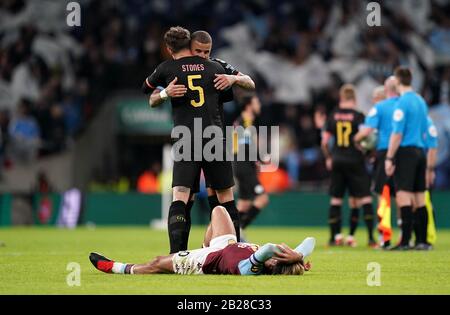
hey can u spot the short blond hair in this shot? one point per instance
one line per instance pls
(348, 92)
(295, 269)
(379, 93)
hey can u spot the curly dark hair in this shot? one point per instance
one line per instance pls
(177, 38)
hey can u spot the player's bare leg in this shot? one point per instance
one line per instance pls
(161, 264)
(221, 224)
(208, 235)
(181, 194)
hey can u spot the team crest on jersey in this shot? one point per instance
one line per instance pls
(255, 269)
(398, 115)
(433, 131)
(253, 247)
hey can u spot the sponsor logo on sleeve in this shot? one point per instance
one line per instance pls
(373, 112)
(433, 131)
(398, 115)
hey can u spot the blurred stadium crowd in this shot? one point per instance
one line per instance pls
(53, 78)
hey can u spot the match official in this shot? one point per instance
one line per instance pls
(405, 159)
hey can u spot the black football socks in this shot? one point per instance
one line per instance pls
(354, 218)
(334, 221)
(407, 222)
(369, 220)
(177, 226)
(421, 225)
(213, 202)
(248, 216)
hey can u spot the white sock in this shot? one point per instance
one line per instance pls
(118, 268)
(306, 248)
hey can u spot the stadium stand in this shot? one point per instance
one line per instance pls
(298, 52)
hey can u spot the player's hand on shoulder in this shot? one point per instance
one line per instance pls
(175, 90)
(224, 81)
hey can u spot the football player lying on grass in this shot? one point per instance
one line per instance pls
(221, 254)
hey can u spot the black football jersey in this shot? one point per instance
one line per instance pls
(227, 95)
(344, 124)
(229, 69)
(202, 98)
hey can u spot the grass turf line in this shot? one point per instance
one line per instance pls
(34, 261)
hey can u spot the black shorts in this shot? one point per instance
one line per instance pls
(352, 175)
(218, 174)
(410, 169)
(247, 179)
(380, 177)
(196, 188)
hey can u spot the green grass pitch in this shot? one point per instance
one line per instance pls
(34, 261)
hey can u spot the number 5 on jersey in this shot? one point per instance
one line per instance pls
(199, 89)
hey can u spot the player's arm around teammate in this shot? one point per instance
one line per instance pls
(201, 45)
(173, 90)
(225, 81)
